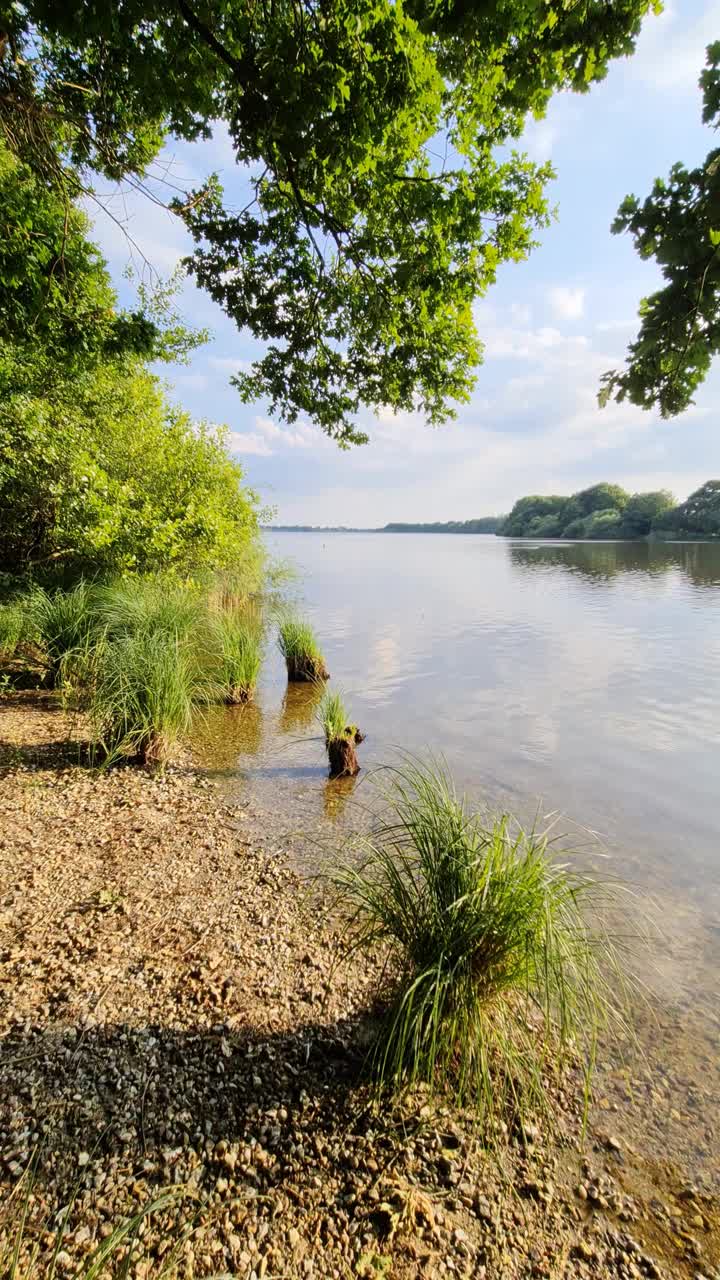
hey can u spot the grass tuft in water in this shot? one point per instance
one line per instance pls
(301, 651)
(240, 648)
(332, 715)
(499, 974)
(341, 737)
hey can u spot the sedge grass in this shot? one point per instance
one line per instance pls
(22, 1258)
(332, 715)
(151, 605)
(62, 622)
(300, 650)
(13, 628)
(147, 687)
(239, 640)
(341, 737)
(499, 974)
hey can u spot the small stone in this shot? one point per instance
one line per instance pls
(83, 1159)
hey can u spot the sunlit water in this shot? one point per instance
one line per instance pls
(579, 679)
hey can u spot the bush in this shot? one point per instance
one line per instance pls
(497, 968)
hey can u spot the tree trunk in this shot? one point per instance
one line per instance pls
(303, 667)
(343, 758)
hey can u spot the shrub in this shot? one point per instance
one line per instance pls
(300, 650)
(497, 968)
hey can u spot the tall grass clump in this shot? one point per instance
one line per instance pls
(152, 605)
(341, 737)
(499, 973)
(300, 650)
(239, 640)
(13, 628)
(61, 622)
(147, 685)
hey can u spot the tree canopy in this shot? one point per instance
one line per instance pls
(602, 511)
(98, 473)
(382, 196)
(679, 226)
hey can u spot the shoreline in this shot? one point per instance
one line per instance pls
(171, 1015)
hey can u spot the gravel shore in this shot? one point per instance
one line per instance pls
(175, 1027)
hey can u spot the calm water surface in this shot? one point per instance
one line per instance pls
(574, 679)
(580, 678)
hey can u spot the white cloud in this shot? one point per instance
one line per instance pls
(249, 442)
(229, 364)
(539, 139)
(670, 53)
(567, 303)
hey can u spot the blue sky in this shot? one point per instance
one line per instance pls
(550, 326)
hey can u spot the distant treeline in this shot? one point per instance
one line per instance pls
(485, 524)
(607, 511)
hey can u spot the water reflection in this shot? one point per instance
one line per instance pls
(299, 706)
(604, 561)
(336, 795)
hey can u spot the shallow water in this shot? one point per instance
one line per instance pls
(581, 680)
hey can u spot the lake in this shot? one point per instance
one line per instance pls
(580, 680)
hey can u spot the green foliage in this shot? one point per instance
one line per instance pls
(604, 524)
(600, 497)
(645, 511)
(483, 524)
(359, 257)
(58, 309)
(601, 511)
(498, 969)
(698, 516)
(545, 527)
(238, 635)
(531, 508)
(679, 226)
(102, 476)
(333, 716)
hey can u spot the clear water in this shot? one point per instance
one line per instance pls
(579, 678)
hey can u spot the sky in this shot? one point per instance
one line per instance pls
(550, 326)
